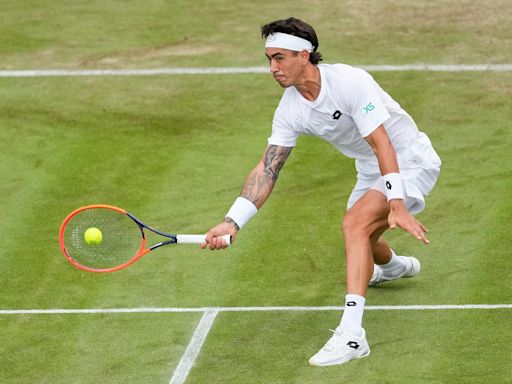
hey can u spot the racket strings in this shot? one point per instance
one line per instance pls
(120, 239)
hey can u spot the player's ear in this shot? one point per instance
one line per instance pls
(304, 57)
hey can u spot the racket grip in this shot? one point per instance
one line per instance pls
(198, 239)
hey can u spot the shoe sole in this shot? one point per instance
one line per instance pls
(339, 362)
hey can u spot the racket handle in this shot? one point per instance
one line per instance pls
(198, 239)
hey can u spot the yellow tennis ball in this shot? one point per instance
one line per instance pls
(93, 236)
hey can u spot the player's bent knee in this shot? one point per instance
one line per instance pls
(354, 224)
(357, 224)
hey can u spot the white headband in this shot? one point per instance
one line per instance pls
(286, 41)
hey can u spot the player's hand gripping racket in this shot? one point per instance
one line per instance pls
(104, 238)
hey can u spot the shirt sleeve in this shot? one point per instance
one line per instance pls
(365, 103)
(283, 133)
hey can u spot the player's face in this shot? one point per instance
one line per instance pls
(285, 66)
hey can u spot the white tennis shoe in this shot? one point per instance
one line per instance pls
(341, 348)
(411, 268)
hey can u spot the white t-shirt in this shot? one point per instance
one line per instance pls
(350, 106)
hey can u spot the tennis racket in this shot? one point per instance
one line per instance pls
(104, 238)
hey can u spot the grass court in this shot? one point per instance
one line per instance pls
(175, 149)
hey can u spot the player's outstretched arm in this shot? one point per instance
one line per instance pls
(388, 163)
(256, 190)
(261, 180)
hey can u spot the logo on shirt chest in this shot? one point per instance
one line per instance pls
(336, 115)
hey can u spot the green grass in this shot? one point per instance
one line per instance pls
(175, 150)
(93, 348)
(155, 33)
(443, 350)
(66, 142)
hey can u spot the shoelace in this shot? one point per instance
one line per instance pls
(333, 341)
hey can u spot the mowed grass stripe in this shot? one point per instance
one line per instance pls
(155, 34)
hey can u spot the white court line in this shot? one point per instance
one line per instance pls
(194, 347)
(248, 309)
(235, 70)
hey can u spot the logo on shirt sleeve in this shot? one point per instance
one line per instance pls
(368, 108)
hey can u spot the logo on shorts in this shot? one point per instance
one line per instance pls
(336, 115)
(368, 108)
(388, 185)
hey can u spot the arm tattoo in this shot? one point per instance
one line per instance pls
(274, 161)
(260, 182)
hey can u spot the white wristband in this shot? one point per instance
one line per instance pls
(393, 184)
(241, 211)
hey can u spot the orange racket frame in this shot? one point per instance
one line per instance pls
(143, 250)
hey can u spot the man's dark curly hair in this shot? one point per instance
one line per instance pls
(296, 27)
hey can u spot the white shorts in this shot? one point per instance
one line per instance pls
(417, 183)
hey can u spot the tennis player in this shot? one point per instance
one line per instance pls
(395, 162)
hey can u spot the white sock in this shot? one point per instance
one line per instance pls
(352, 319)
(394, 266)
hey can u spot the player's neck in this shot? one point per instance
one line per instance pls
(310, 84)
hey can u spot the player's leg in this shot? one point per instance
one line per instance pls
(366, 217)
(381, 250)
